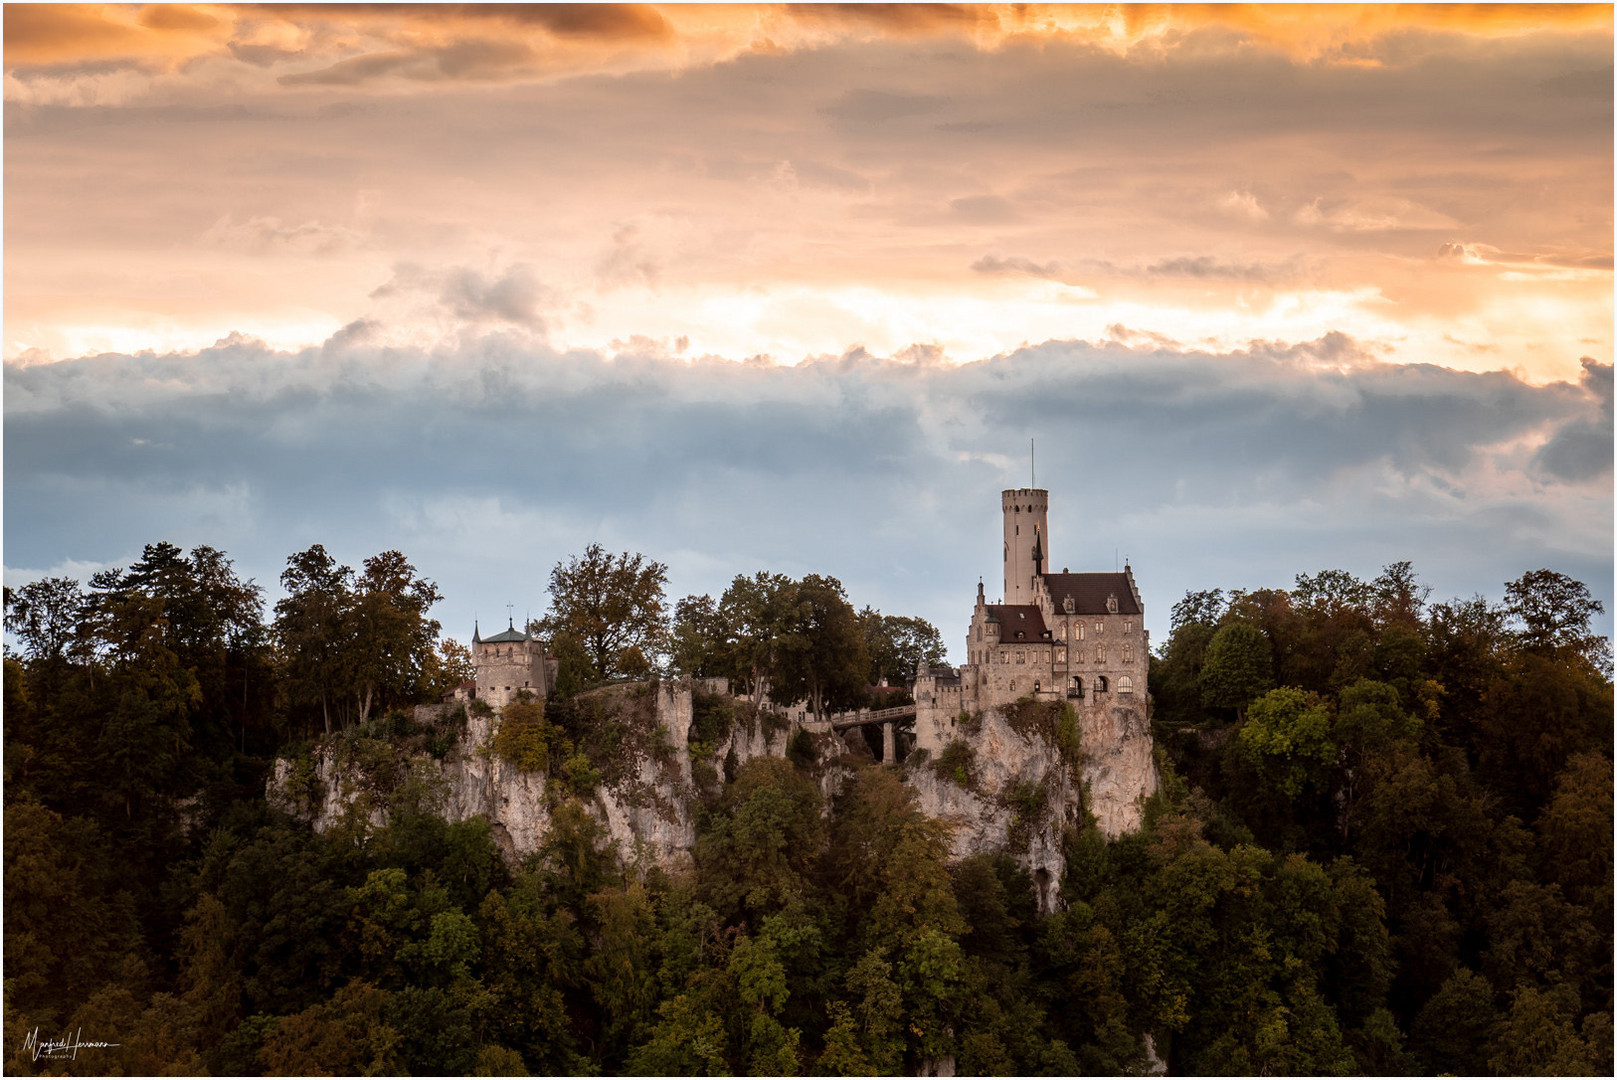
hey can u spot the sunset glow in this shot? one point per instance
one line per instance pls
(290, 189)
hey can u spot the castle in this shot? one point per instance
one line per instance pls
(1079, 638)
(509, 662)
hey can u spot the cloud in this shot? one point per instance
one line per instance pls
(1182, 267)
(882, 106)
(1582, 449)
(1277, 458)
(269, 234)
(995, 266)
(1243, 204)
(512, 296)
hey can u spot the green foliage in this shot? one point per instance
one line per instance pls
(612, 606)
(955, 763)
(897, 645)
(803, 750)
(1287, 739)
(524, 738)
(819, 652)
(1237, 668)
(1403, 864)
(712, 717)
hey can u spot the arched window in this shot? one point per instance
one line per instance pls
(1035, 686)
(1125, 685)
(1100, 684)
(1077, 685)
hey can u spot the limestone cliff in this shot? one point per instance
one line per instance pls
(646, 807)
(1013, 778)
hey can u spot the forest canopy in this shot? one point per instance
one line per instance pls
(1382, 844)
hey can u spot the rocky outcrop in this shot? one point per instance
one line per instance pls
(1120, 769)
(647, 813)
(1012, 785)
(1019, 795)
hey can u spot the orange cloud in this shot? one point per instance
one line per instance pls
(39, 34)
(543, 40)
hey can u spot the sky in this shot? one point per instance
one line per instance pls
(1274, 289)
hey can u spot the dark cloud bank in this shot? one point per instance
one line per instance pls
(489, 462)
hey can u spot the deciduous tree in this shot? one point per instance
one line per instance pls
(612, 604)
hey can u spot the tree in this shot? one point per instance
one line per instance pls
(1574, 832)
(1288, 738)
(1237, 669)
(897, 644)
(1331, 592)
(1198, 607)
(1399, 598)
(612, 604)
(312, 625)
(753, 612)
(698, 643)
(822, 655)
(1553, 613)
(392, 638)
(45, 615)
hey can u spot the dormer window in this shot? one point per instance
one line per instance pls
(1067, 605)
(1111, 604)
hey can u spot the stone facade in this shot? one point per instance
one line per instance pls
(1078, 638)
(510, 662)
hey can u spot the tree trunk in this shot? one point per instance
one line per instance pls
(325, 709)
(365, 705)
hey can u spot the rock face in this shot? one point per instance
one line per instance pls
(648, 813)
(1008, 787)
(1120, 770)
(1019, 797)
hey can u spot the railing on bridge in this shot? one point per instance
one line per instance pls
(843, 721)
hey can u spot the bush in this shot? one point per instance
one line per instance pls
(523, 737)
(711, 718)
(955, 763)
(803, 751)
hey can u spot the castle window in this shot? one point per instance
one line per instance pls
(1021, 657)
(1035, 686)
(1061, 656)
(1100, 655)
(1128, 627)
(1100, 684)
(1100, 627)
(1012, 686)
(1002, 655)
(1080, 628)
(1125, 685)
(1128, 654)
(1061, 633)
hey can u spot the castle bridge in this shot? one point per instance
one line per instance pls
(844, 721)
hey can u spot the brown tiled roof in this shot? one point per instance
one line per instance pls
(1018, 622)
(1089, 592)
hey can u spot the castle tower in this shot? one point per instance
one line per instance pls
(1027, 540)
(510, 662)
